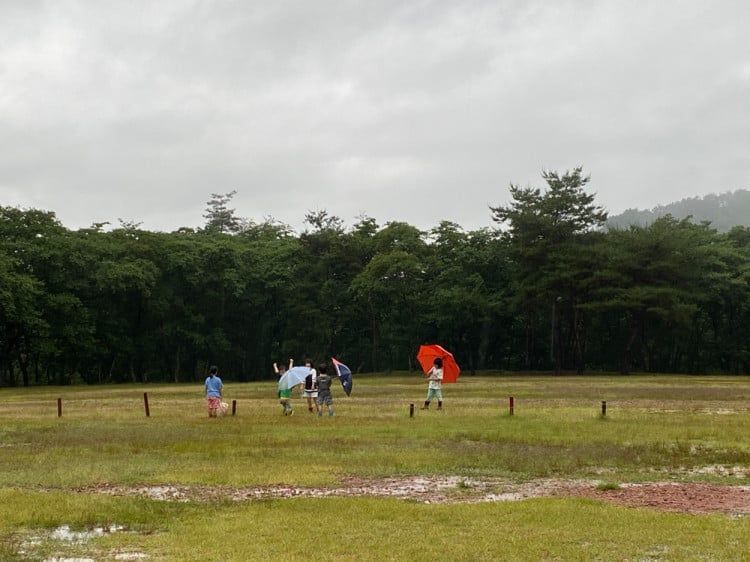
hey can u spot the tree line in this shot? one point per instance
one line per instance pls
(545, 286)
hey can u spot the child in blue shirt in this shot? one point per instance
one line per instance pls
(213, 387)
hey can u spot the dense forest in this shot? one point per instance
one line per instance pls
(545, 286)
(723, 210)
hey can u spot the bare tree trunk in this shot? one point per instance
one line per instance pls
(374, 350)
(23, 363)
(176, 370)
(578, 340)
(625, 359)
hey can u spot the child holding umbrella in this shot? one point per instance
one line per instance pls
(434, 387)
(284, 394)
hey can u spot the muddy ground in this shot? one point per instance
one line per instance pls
(697, 498)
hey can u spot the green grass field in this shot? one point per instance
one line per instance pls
(657, 428)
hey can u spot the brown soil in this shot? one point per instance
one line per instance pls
(679, 497)
(698, 498)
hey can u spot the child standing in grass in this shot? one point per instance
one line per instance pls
(311, 387)
(434, 388)
(324, 390)
(284, 394)
(213, 387)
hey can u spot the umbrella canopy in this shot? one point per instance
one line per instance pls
(293, 377)
(345, 375)
(427, 355)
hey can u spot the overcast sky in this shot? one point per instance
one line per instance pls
(416, 111)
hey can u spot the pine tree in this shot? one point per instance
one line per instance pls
(219, 217)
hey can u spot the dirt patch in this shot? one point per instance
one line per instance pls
(718, 470)
(679, 497)
(425, 489)
(668, 496)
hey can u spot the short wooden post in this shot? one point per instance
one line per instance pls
(511, 404)
(59, 407)
(604, 408)
(145, 404)
(234, 407)
(411, 410)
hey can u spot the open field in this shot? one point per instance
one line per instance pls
(95, 465)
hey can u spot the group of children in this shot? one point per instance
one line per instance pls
(316, 389)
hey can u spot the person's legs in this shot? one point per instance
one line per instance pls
(430, 395)
(439, 396)
(286, 406)
(213, 405)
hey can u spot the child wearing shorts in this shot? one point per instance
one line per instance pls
(311, 388)
(434, 388)
(284, 394)
(213, 387)
(324, 390)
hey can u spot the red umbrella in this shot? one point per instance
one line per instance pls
(427, 355)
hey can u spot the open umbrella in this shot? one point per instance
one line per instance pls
(345, 375)
(427, 355)
(293, 377)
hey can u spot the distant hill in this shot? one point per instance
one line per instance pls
(722, 210)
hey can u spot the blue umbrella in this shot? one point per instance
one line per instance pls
(293, 377)
(345, 375)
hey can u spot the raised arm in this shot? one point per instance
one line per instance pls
(275, 368)
(291, 362)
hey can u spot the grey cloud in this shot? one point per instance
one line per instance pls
(413, 111)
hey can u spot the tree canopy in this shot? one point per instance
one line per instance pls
(545, 286)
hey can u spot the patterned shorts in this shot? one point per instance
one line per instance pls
(433, 393)
(325, 399)
(214, 402)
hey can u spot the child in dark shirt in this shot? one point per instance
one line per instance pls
(324, 390)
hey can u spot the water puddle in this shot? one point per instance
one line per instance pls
(66, 544)
(64, 533)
